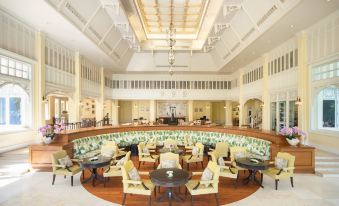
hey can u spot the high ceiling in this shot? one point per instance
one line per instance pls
(130, 35)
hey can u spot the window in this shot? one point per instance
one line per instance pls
(15, 68)
(13, 106)
(328, 105)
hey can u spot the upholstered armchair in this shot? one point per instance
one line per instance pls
(195, 158)
(169, 156)
(152, 144)
(226, 168)
(146, 157)
(117, 152)
(188, 144)
(203, 187)
(137, 187)
(63, 170)
(237, 152)
(221, 149)
(285, 172)
(170, 143)
(115, 170)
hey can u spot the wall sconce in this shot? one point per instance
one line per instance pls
(298, 101)
(44, 99)
(225, 107)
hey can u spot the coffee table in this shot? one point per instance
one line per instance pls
(160, 178)
(93, 164)
(253, 165)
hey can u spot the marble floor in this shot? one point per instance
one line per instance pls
(34, 188)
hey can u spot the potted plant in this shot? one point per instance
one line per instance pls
(48, 132)
(291, 134)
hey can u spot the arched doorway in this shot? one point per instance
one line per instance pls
(253, 113)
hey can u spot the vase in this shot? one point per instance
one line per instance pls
(293, 142)
(48, 139)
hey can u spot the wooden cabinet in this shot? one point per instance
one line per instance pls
(304, 158)
(40, 154)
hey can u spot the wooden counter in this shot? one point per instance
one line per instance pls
(40, 154)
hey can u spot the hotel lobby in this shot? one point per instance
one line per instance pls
(169, 102)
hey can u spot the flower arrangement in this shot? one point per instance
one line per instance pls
(50, 130)
(291, 132)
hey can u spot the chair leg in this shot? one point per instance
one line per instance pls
(53, 179)
(262, 178)
(83, 174)
(291, 178)
(276, 184)
(191, 200)
(72, 181)
(202, 164)
(64, 176)
(154, 165)
(149, 200)
(216, 198)
(155, 191)
(188, 166)
(123, 199)
(139, 164)
(105, 181)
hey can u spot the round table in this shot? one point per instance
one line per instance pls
(253, 165)
(93, 164)
(160, 178)
(175, 151)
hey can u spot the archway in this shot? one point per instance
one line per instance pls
(252, 113)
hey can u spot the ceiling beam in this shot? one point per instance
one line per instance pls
(91, 18)
(251, 19)
(106, 34)
(61, 5)
(115, 46)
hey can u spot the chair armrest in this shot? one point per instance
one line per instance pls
(196, 173)
(76, 160)
(62, 166)
(288, 168)
(190, 157)
(135, 182)
(143, 173)
(211, 150)
(207, 181)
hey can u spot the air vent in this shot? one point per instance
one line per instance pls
(267, 15)
(248, 34)
(75, 13)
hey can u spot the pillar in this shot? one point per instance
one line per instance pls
(99, 113)
(115, 112)
(265, 95)
(39, 74)
(228, 113)
(303, 79)
(190, 110)
(241, 99)
(74, 104)
(152, 110)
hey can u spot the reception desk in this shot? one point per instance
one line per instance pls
(40, 154)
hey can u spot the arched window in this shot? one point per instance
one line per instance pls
(13, 107)
(328, 105)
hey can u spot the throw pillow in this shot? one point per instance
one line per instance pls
(134, 175)
(65, 162)
(221, 161)
(107, 151)
(168, 164)
(238, 155)
(145, 150)
(280, 163)
(195, 151)
(207, 175)
(121, 161)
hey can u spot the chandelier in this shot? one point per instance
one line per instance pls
(171, 42)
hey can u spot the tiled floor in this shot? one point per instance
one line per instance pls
(34, 188)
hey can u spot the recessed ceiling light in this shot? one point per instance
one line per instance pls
(328, 0)
(292, 26)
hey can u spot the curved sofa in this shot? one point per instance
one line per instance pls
(89, 146)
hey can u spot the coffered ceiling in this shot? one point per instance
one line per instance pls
(130, 35)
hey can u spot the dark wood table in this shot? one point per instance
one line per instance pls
(175, 151)
(93, 165)
(160, 178)
(253, 165)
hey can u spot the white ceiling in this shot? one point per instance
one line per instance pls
(110, 33)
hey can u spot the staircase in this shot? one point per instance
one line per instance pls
(326, 164)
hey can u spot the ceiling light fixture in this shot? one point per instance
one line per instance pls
(171, 32)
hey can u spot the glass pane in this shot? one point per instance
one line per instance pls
(4, 70)
(273, 116)
(329, 113)
(293, 114)
(4, 61)
(2, 111)
(15, 110)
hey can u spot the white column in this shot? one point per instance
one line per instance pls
(241, 101)
(99, 107)
(228, 113)
(38, 80)
(115, 112)
(190, 110)
(303, 82)
(265, 95)
(74, 112)
(152, 110)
